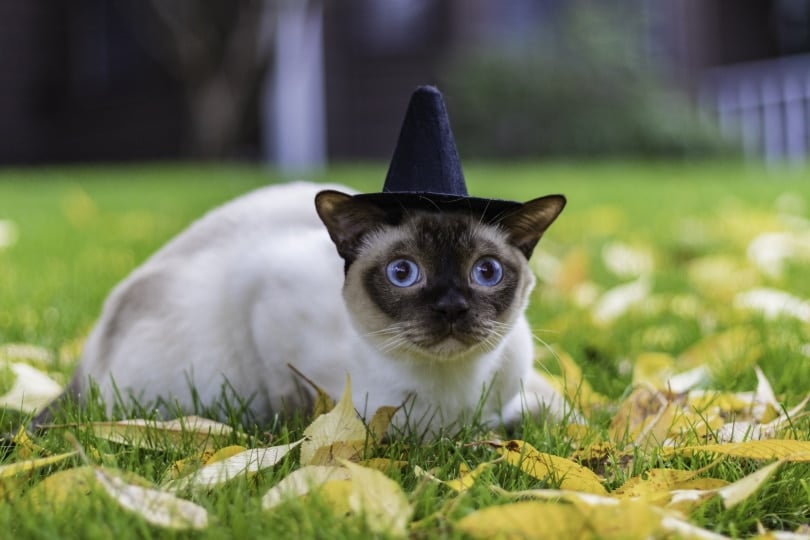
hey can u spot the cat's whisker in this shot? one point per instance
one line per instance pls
(548, 347)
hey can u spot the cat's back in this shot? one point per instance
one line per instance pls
(275, 209)
(196, 298)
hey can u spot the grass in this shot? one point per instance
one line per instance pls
(81, 230)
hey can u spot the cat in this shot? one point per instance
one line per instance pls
(422, 308)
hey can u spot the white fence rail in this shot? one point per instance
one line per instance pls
(765, 105)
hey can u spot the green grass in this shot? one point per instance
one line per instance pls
(81, 230)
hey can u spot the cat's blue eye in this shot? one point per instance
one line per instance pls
(402, 272)
(487, 272)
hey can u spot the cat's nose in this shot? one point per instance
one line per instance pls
(452, 305)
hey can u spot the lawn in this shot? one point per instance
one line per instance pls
(655, 273)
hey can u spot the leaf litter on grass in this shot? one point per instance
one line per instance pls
(620, 480)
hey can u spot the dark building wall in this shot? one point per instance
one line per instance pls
(76, 85)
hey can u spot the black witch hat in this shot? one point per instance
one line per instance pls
(425, 171)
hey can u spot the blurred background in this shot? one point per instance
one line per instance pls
(302, 83)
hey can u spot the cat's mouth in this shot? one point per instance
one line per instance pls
(452, 341)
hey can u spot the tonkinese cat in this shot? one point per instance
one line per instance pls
(418, 295)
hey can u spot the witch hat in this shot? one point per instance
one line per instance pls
(425, 171)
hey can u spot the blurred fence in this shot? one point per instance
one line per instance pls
(765, 105)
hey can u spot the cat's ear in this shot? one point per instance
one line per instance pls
(527, 224)
(348, 220)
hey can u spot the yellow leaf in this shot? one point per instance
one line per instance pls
(662, 372)
(302, 481)
(547, 520)
(64, 489)
(223, 454)
(732, 494)
(383, 464)
(13, 469)
(332, 454)
(566, 473)
(323, 401)
(655, 484)
(340, 425)
(380, 422)
(182, 467)
(159, 508)
(575, 387)
(240, 464)
(465, 480)
(25, 446)
(31, 390)
(152, 434)
(380, 501)
(784, 449)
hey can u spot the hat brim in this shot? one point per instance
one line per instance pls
(399, 203)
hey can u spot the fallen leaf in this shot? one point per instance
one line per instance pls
(658, 370)
(656, 484)
(77, 486)
(773, 303)
(687, 499)
(16, 352)
(379, 500)
(568, 474)
(223, 470)
(13, 469)
(466, 478)
(323, 401)
(573, 385)
(340, 425)
(548, 520)
(380, 422)
(159, 508)
(32, 389)
(302, 481)
(333, 453)
(25, 447)
(153, 434)
(617, 301)
(783, 449)
(383, 464)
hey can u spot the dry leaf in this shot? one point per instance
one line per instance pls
(548, 520)
(323, 401)
(731, 494)
(784, 449)
(380, 422)
(340, 425)
(25, 446)
(383, 464)
(158, 508)
(658, 370)
(573, 385)
(379, 500)
(568, 474)
(32, 389)
(240, 464)
(13, 469)
(302, 481)
(152, 434)
(466, 478)
(333, 453)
